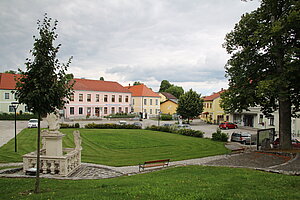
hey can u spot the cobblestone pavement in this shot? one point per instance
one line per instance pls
(271, 162)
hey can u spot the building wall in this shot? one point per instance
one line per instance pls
(6, 102)
(162, 97)
(94, 108)
(149, 108)
(168, 107)
(215, 112)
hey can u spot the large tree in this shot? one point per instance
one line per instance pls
(44, 86)
(177, 91)
(190, 105)
(264, 66)
(164, 85)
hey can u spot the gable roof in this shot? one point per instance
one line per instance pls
(213, 96)
(7, 81)
(168, 95)
(141, 91)
(170, 100)
(97, 85)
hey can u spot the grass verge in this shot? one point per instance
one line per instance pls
(192, 182)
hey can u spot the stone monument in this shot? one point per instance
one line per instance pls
(54, 158)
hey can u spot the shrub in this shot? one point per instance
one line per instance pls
(186, 132)
(69, 125)
(166, 117)
(219, 136)
(111, 126)
(120, 115)
(11, 116)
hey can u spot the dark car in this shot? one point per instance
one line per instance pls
(227, 125)
(295, 143)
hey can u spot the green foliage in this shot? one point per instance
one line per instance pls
(187, 182)
(177, 91)
(219, 136)
(44, 86)
(166, 117)
(10, 72)
(11, 116)
(264, 65)
(190, 105)
(164, 85)
(76, 125)
(120, 147)
(101, 78)
(171, 129)
(120, 115)
(137, 83)
(111, 126)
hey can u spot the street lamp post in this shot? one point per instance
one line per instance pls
(15, 105)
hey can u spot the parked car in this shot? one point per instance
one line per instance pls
(137, 124)
(227, 125)
(244, 138)
(33, 123)
(168, 125)
(183, 126)
(122, 122)
(295, 143)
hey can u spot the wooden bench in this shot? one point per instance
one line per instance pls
(154, 163)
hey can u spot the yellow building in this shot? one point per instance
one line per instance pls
(212, 112)
(169, 107)
(144, 101)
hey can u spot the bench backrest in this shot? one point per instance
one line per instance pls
(157, 161)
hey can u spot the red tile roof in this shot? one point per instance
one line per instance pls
(142, 91)
(213, 96)
(97, 85)
(7, 81)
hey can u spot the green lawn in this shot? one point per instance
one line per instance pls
(192, 182)
(121, 147)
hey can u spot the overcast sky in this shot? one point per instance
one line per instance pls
(129, 40)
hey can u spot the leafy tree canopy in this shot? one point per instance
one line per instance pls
(164, 85)
(10, 72)
(44, 86)
(101, 78)
(177, 91)
(137, 83)
(190, 105)
(264, 65)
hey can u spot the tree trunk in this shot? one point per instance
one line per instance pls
(37, 179)
(285, 124)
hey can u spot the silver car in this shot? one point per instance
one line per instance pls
(244, 138)
(33, 123)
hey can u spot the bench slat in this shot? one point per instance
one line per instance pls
(154, 163)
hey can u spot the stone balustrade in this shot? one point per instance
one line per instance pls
(60, 165)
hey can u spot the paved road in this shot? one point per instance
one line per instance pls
(7, 129)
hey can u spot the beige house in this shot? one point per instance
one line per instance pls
(144, 101)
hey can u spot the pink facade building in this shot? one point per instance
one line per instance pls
(95, 99)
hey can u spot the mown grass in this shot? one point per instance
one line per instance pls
(192, 182)
(120, 147)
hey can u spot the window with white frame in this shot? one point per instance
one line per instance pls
(6, 95)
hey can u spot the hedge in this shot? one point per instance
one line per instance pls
(166, 117)
(186, 132)
(11, 116)
(76, 125)
(111, 126)
(120, 115)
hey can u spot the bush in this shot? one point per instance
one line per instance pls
(186, 132)
(111, 126)
(219, 136)
(62, 126)
(120, 115)
(11, 116)
(166, 117)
